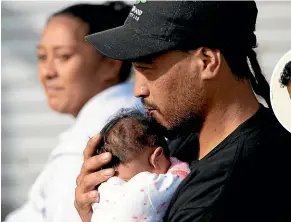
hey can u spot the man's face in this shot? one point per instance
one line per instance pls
(171, 89)
(289, 89)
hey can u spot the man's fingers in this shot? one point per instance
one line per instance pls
(84, 201)
(91, 180)
(95, 163)
(91, 146)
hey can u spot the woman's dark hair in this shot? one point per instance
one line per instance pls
(99, 18)
(128, 133)
(285, 78)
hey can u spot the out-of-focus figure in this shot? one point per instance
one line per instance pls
(78, 81)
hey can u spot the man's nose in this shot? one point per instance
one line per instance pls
(140, 86)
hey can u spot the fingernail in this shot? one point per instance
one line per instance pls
(108, 172)
(93, 194)
(105, 156)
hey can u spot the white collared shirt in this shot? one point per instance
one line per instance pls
(51, 198)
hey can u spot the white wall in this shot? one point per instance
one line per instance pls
(29, 128)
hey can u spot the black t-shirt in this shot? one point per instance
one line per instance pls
(247, 177)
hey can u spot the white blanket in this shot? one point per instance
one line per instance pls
(144, 198)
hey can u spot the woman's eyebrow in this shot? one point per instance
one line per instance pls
(56, 47)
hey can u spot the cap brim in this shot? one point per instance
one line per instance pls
(123, 43)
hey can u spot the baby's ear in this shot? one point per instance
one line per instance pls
(155, 157)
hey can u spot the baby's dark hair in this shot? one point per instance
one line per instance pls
(285, 78)
(128, 133)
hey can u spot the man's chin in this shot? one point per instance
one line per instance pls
(175, 129)
(183, 129)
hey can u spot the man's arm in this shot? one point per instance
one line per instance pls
(89, 177)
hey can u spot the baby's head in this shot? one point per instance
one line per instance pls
(137, 144)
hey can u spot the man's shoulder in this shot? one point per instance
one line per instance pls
(265, 134)
(248, 165)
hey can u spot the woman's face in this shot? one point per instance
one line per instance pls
(68, 67)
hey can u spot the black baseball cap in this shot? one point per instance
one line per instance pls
(154, 27)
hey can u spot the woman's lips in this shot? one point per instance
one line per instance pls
(53, 89)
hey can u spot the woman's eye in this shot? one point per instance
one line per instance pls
(64, 58)
(41, 57)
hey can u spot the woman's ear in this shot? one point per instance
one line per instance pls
(155, 157)
(108, 71)
(113, 69)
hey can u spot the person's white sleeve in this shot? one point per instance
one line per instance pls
(26, 213)
(34, 208)
(60, 201)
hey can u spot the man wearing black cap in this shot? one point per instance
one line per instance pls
(196, 72)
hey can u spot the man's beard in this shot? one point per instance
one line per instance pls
(182, 123)
(184, 126)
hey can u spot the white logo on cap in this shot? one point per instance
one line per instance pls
(135, 13)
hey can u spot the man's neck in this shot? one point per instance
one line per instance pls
(225, 117)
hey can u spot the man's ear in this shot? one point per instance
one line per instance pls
(210, 60)
(155, 157)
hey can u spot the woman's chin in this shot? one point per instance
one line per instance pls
(56, 106)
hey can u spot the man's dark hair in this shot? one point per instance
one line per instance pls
(244, 64)
(285, 78)
(128, 133)
(238, 50)
(99, 18)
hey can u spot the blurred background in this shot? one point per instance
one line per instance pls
(30, 129)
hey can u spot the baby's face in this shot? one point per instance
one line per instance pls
(151, 160)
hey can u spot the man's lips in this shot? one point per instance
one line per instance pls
(149, 109)
(150, 112)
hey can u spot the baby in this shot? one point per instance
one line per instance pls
(146, 177)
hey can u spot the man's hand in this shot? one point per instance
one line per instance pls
(89, 177)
